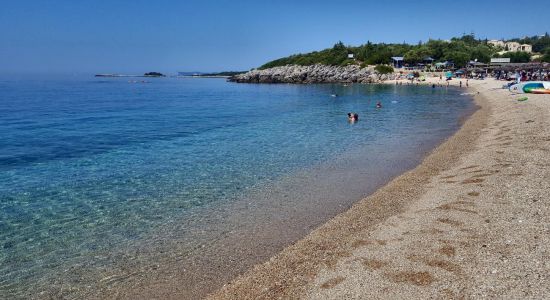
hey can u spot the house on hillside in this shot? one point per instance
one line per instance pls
(526, 48)
(497, 43)
(511, 46)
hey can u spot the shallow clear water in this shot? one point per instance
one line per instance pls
(92, 169)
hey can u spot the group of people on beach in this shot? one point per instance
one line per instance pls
(522, 75)
(409, 82)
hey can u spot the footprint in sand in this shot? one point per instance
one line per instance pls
(448, 250)
(453, 206)
(473, 180)
(417, 278)
(450, 222)
(360, 243)
(436, 263)
(374, 264)
(332, 282)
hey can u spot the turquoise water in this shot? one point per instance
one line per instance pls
(92, 169)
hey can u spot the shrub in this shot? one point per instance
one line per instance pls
(383, 69)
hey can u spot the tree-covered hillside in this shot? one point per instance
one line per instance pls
(458, 50)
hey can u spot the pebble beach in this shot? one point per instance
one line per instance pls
(471, 221)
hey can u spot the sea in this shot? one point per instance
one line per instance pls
(117, 187)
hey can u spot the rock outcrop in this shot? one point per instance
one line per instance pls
(310, 74)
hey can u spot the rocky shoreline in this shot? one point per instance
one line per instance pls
(311, 74)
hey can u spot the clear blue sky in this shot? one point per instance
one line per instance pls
(137, 36)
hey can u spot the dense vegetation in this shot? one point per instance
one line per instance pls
(383, 69)
(458, 50)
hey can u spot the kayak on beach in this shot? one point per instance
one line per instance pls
(532, 87)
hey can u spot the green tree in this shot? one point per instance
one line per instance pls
(383, 69)
(437, 48)
(482, 53)
(459, 58)
(546, 56)
(518, 57)
(541, 44)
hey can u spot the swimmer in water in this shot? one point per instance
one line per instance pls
(378, 104)
(353, 117)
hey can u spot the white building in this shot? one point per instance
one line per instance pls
(497, 43)
(511, 46)
(526, 48)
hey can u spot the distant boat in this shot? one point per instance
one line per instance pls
(531, 87)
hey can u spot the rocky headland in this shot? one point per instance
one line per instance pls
(311, 74)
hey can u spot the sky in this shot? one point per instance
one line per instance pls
(133, 37)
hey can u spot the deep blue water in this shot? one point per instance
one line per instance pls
(90, 164)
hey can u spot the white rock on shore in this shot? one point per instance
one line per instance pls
(310, 74)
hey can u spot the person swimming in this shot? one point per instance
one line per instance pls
(378, 104)
(353, 117)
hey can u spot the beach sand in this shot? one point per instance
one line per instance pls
(472, 221)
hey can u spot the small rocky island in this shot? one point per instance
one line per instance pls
(311, 74)
(154, 74)
(148, 74)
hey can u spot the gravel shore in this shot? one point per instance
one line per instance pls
(472, 221)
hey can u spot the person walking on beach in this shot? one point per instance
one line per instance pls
(460, 83)
(467, 83)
